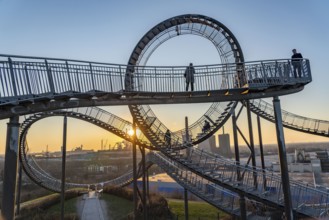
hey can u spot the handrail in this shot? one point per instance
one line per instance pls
(261, 184)
(291, 120)
(6, 56)
(58, 77)
(223, 172)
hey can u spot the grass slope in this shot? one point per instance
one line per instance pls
(196, 209)
(117, 208)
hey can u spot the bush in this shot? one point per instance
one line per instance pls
(120, 192)
(157, 208)
(42, 215)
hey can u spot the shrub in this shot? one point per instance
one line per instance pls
(157, 208)
(120, 192)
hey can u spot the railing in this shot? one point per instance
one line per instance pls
(24, 77)
(95, 114)
(292, 120)
(264, 184)
(214, 194)
(46, 180)
(261, 185)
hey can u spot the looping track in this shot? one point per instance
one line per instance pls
(30, 85)
(209, 176)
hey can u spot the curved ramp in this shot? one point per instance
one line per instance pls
(223, 173)
(229, 51)
(259, 185)
(95, 116)
(216, 195)
(291, 120)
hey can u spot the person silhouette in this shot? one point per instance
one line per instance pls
(206, 126)
(296, 61)
(189, 76)
(167, 138)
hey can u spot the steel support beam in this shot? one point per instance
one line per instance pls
(187, 155)
(144, 197)
(63, 168)
(242, 200)
(18, 198)
(186, 203)
(283, 159)
(135, 196)
(187, 137)
(252, 146)
(10, 169)
(261, 150)
(147, 185)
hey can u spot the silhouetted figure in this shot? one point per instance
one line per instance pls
(296, 61)
(206, 126)
(167, 138)
(189, 76)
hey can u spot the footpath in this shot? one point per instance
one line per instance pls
(92, 208)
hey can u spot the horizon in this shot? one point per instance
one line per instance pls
(288, 145)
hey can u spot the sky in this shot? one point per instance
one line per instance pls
(107, 31)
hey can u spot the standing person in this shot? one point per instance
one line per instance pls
(189, 76)
(167, 138)
(296, 61)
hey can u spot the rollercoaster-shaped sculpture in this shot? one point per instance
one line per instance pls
(210, 177)
(31, 85)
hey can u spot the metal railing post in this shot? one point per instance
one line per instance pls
(68, 75)
(28, 80)
(12, 76)
(50, 78)
(92, 77)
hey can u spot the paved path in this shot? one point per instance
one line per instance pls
(92, 208)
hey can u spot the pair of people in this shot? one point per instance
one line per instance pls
(296, 59)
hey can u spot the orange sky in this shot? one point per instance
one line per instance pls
(50, 131)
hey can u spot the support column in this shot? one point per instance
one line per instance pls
(242, 200)
(18, 198)
(252, 146)
(187, 137)
(185, 204)
(144, 184)
(187, 155)
(147, 185)
(283, 159)
(135, 171)
(10, 169)
(63, 168)
(261, 150)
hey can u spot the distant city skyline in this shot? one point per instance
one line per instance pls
(107, 32)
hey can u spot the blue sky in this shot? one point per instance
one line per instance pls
(108, 31)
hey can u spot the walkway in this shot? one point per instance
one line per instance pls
(33, 84)
(92, 208)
